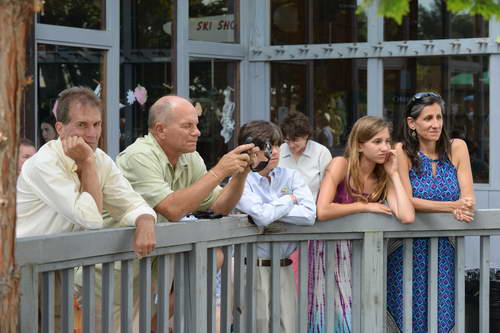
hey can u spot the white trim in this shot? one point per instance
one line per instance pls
(215, 50)
(60, 35)
(112, 79)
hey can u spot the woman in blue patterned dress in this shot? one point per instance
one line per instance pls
(436, 171)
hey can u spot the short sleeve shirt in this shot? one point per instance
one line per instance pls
(151, 174)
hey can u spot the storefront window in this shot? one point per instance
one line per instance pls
(213, 90)
(86, 14)
(213, 21)
(316, 22)
(430, 19)
(288, 89)
(146, 64)
(61, 67)
(463, 81)
(331, 104)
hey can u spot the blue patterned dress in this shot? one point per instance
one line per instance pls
(440, 187)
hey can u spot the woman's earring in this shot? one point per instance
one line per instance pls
(413, 133)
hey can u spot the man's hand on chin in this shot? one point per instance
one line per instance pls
(144, 237)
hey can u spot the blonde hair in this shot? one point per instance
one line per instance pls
(363, 130)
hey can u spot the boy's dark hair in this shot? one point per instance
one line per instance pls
(296, 125)
(26, 142)
(260, 131)
(70, 96)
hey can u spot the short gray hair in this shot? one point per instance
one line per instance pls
(159, 112)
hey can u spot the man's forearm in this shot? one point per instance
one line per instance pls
(90, 182)
(230, 195)
(176, 205)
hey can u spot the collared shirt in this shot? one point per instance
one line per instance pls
(267, 202)
(311, 164)
(151, 174)
(50, 200)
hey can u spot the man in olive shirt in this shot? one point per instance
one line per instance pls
(171, 176)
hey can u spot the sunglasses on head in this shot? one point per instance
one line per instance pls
(418, 96)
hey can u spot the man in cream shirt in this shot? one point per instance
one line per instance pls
(68, 183)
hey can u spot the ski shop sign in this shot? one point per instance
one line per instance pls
(218, 28)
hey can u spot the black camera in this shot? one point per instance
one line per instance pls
(265, 147)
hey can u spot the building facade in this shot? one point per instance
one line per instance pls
(240, 60)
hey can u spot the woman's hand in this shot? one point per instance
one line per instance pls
(377, 207)
(391, 163)
(465, 210)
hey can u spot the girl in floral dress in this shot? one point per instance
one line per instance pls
(360, 181)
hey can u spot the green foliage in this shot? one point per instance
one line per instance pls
(485, 8)
(394, 9)
(397, 9)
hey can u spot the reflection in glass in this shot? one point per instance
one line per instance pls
(316, 21)
(429, 19)
(288, 89)
(463, 81)
(332, 104)
(212, 88)
(213, 21)
(61, 67)
(86, 14)
(145, 62)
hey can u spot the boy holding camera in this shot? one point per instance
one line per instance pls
(272, 194)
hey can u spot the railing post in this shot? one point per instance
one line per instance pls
(198, 287)
(28, 321)
(180, 294)
(226, 301)
(250, 303)
(484, 285)
(372, 286)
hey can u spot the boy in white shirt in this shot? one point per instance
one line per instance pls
(274, 194)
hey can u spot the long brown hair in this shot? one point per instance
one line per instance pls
(363, 130)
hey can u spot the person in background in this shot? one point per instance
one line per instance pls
(436, 174)
(48, 130)
(26, 150)
(301, 153)
(360, 181)
(274, 194)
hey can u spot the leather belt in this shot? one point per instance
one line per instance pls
(267, 262)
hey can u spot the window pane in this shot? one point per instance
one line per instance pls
(429, 19)
(316, 21)
(331, 104)
(145, 62)
(339, 103)
(463, 81)
(213, 21)
(61, 67)
(213, 90)
(288, 89)
(87, 14)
